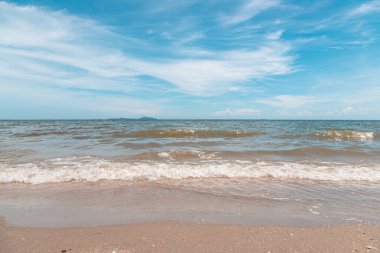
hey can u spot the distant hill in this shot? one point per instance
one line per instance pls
(147, 118)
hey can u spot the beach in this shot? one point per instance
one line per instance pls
(145, 217)
(192, 237)
(189, 186)
(195, 126)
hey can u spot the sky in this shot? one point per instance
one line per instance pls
(190, 59)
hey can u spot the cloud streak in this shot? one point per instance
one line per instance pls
(191, 59)
(70, 51)
(238, 112)
(217, 73)
(289, 101)
(248, 10)
(365, 8)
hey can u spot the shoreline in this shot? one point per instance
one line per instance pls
(266, 202)
(190, 215)
(175, 236)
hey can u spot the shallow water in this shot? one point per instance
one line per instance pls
(192, 200)
(286, 172)
(56, 151)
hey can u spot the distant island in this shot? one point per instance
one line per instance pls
(147, 118)
(142, 118)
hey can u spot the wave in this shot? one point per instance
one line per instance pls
(334, 135)
(37, 134)
(192, 133)
(345, 135)
(92, 169)
(319, 151)
(298, 153)
(175, 155)
(182, 155)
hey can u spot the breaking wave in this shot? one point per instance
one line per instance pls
(232, 155)
(92, 169)
(178, 155)
(345, 135)
(192, 133)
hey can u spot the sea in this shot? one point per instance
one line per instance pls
(276, 171)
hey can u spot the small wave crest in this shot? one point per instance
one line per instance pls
(250, 155)
(192, 133)
(345, 135)
(43, 133)
(92, 169)
(175, 155)
(182, 155)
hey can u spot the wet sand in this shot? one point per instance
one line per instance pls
(191, 237)
(222, 201)
(189, 217)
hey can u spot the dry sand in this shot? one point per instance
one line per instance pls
(191, 237)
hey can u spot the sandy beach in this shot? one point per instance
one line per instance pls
(191, 237)
(189, 126)
(172, 186)
(146, 217)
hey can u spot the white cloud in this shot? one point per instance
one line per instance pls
(317, 112)
(55, 47)
(215, 74)
(365, 8)
(248, 10)
(238, 112)
(339, 112)
(295, 114)
(348, 110)
(289, 101)
(247, 111)
(190, 38)
(275, 35)
(68, 51)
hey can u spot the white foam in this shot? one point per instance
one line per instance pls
(91, 169)
(313, 211)
(175, 154)
(164, 154)
(346, 135)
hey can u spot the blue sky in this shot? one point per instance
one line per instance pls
(190, 59)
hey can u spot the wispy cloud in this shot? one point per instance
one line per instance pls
(159, 58)
(69, 51)
(248, 10)
(215, 74)
(365, 8)
(346, 112)
(289, 101)
(343, 26)
(190, 38)
(343, 111)
(238, 112)
(275, 35)
(59, 48)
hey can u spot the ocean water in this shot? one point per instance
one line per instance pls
(269, 171)
(57, 151)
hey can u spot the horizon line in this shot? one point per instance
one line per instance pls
(162, 119)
